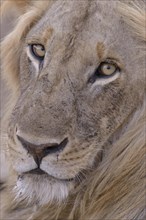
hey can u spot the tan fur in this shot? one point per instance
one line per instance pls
(21, 5)
(115, 190)
(47, 34)
(135, 17)
(100, 50)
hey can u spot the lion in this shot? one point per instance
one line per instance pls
(75, 141)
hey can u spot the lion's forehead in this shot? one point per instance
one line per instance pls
(78, 16)
(85, 24)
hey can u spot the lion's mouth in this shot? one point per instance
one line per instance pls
(39, 171)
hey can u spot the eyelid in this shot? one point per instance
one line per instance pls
(34, 40)
(110, 61)
(115, 61)
(103, 81)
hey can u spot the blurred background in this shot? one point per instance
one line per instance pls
(6, 24)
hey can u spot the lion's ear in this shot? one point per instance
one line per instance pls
(20, 6)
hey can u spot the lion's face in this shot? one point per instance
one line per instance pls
(79, 82)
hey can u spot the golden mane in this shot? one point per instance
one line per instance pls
(135, 16)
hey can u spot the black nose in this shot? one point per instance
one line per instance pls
(40, 151)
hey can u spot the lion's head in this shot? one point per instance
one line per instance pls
(79, 73)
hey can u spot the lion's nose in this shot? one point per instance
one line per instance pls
(40, 151)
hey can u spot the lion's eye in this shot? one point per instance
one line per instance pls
(38, 51)
(107, 69)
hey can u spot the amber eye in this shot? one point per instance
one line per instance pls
(38, 51)
(107, 69)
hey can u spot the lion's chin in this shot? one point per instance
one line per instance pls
(41, 189)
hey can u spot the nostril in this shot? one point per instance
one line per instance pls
(42, 150)
(56, 148)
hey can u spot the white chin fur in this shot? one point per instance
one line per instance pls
(40, 190)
